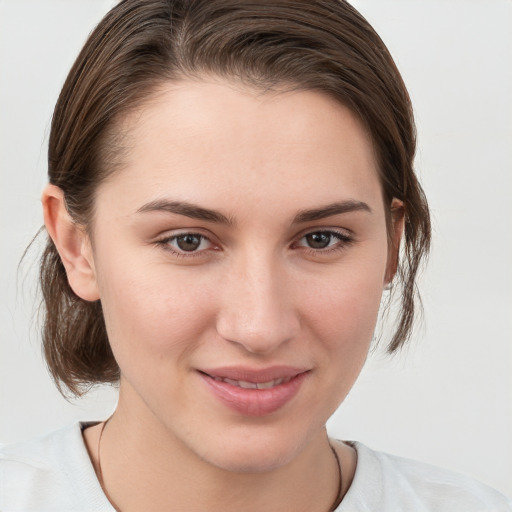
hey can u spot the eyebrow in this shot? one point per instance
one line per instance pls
(330, 210)
(197, 212)
(187, 209)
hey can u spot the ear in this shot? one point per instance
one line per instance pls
(397, 229)
(72, 243)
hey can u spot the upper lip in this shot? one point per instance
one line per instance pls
(256, 375)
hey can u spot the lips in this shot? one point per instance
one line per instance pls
(254, 385)
(254, 392)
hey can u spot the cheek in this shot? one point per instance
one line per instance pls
(152, 314)
(342, 307)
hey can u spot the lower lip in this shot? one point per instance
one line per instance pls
(254, 402)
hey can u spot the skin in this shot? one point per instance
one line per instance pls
(254, 293)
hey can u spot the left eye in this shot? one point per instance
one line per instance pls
(322, 239)
(188, 242)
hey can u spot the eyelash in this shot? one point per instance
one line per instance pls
(165, 244)
(344, 241)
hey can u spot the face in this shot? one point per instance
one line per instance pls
(240, 256)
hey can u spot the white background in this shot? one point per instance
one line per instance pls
(448, 398)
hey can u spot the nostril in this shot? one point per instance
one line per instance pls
(257, 341)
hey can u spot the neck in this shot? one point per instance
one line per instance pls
(145, 467)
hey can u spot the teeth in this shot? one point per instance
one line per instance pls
(269, 384)
(253, 385)
(244, 384)
(241, 383)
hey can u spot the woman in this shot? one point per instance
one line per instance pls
(231, 190)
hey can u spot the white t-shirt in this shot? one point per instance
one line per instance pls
(55, 474)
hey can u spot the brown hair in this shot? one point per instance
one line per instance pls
(323, 45)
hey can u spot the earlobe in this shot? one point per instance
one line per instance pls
(397, 229)
(72, 243)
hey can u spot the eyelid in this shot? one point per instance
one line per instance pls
(342, 232)
(345, 238)
(173, 233)
(165, 239)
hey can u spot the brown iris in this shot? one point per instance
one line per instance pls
(188, 242)
(318, 240)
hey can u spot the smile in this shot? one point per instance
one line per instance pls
(254, 385)
(254, 392)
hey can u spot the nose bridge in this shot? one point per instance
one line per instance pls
(257, 310)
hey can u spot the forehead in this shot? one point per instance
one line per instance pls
(212, 141)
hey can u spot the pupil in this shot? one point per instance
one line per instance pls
(318, 240)
(188, 242)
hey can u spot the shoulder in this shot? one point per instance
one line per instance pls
(52, 472)
(389, 483)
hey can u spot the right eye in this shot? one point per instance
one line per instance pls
(186, 244)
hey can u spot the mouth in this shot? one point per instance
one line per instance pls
(253, 385)
(254, 392)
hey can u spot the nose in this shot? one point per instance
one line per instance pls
(257, 307)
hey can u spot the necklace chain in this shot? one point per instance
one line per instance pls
(100, 474)
(339, 494)
(333, 507)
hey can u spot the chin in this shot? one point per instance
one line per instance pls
(243, 462)
(254, 452)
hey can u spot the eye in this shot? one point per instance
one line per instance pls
(191, 243)
(319, 240)
(324, 240)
